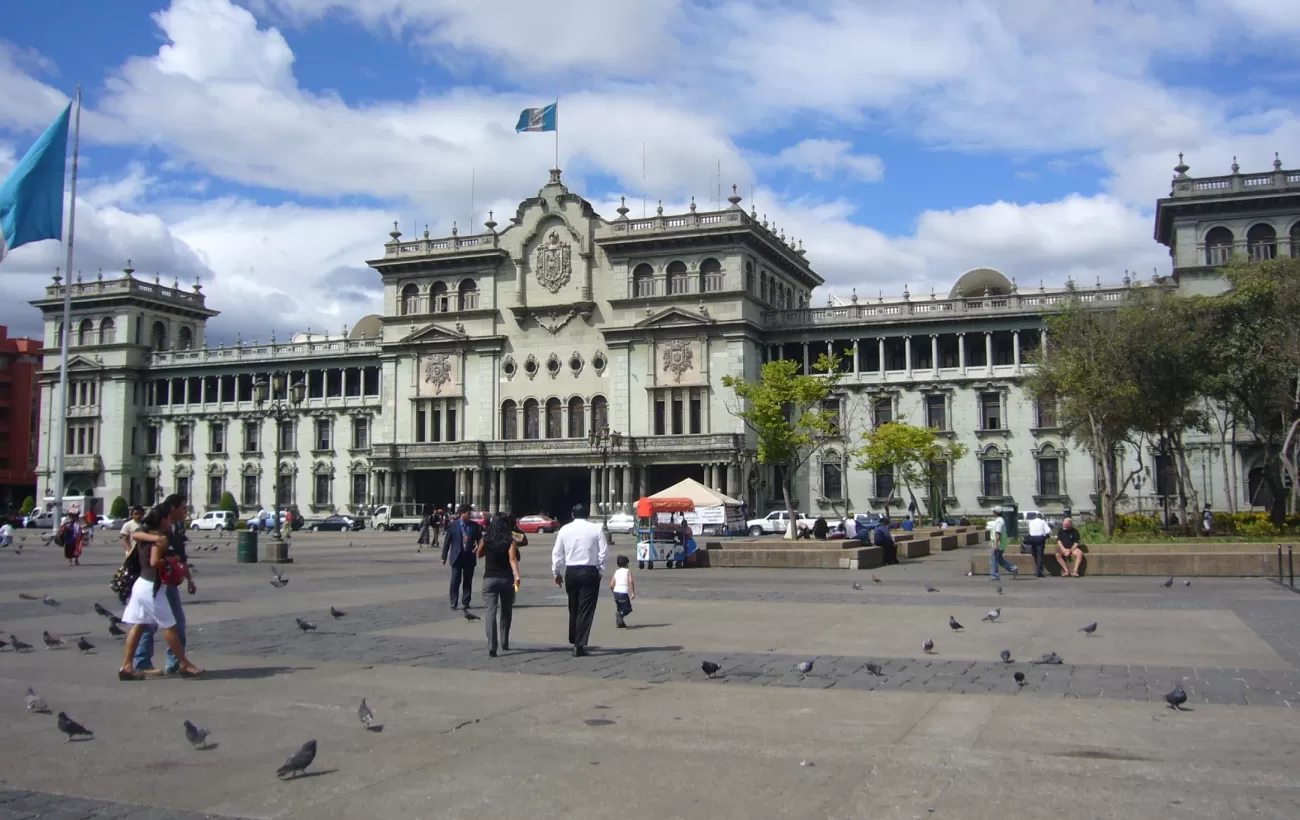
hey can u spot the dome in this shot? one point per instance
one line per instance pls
(974, 282)
(366, 327)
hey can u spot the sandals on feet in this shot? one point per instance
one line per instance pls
(129, 674)
(187, 673)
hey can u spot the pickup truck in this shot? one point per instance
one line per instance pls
(777, 523)
(399, 517)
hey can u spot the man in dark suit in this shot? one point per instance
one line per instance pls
(458, 544)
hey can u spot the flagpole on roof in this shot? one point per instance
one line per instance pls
(557, 133)
(62, 430)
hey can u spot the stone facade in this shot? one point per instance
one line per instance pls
(497, 354)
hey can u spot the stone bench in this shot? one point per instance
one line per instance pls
(795, 558)
(1225, 564)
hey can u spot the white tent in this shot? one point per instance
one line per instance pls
(698, 493)
(714, 512)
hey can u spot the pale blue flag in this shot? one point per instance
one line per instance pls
(31, 198)
(538, 119)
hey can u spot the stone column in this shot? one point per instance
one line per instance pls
(880, 340)
(1042, 343)
(907, 356)
(1015, 340)
(595, 491)
(708, 475)
(961, 353)
(807, 366)
(934, 352)
(988, 350)
(505, 490)
(855, 358)
(477, 500)
(494, 501)
(733, 480)
(628, 489)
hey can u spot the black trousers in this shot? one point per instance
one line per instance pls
(462, 580)
(1036, 545)
(583, 587)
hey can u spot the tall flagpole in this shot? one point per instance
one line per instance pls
(557, 133)
(62, 430)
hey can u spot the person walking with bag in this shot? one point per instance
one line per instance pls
(577, 562)
(176, 557)
(146, 608)
(500, 553)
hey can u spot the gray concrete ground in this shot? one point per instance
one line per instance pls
(636, 730)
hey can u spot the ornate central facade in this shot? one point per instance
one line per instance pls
(498, 353)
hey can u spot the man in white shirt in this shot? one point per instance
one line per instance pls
(850, 528)
(577, 562)
(997, 529)
(1039, 530)
(6, 534)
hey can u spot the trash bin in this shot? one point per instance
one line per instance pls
(1011, 517)
(246, 547)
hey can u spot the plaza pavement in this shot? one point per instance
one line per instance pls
(636, 730)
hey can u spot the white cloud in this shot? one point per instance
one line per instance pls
(827, 159)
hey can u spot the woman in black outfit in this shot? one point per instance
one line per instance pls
(500, 553)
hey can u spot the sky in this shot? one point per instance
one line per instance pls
(265, 147)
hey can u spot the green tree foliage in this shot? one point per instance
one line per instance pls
(784, 410)
(918, 456)
(119, 508)
(29, 504)
(228, 503)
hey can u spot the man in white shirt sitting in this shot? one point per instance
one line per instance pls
(577, 562)
(1039, 530)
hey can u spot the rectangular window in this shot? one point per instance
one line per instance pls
(250, 491)
(151, 440)
(315, 384)
(939, 479)
(360, 489)
(252, 437)
(990, 411)
(659, 415)
(322, 494)
(419, 426)
(288, 437)
(696, 413)
(370, 381)
(451, 424)
(217, 437)
(1046, 411)
(884, 483)
(184, 442)
(1049, 476)
(324, 434)
(832, 479)
(360, 434)
(882, 412)
(992, 469)
(936, 412)
(216, 486)
(1166, 476)
(677, 413)
(183, 486)
(831, 408)
(284, 491)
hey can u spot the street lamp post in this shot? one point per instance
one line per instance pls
(604, 442)
(281, 410)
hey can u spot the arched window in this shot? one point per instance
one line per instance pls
(1295, 240)
(832, 476)
(749, 277)
(532, 427)
(158, 336)
(710, 276)
(509, 420)
(1261, 242)
(643, 280)
(677, 282)
(599, 413)
(441, 301)
(554, 418)
(410, 299)
(765, 289)
(1218, 246)
(577, 418)
(86, 332)
(468, 292)
(185, 339)
(107, 332)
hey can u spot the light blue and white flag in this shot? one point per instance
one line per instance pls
(538, 119)
(31, 198)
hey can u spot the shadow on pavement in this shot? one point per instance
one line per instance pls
(251, 672)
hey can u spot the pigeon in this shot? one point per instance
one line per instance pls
(363, 712)
(710, 668)
(856, 585)
(1177, 698)
(48, 601)
(337, 613)
(18, 645)
(3, 643)
(84, 645)
(276, 572)
(1168, 582)
(999, 589)
(71, 728)
(1188, 582)
(1019, 678)
(875, 579)
(1090, 629)
(300, 761)
(929, 588)
(197, 737)
(1050, 658)
(51, 641)
(993, 615)
(99, 610)
(928, 646)
(35, 703)
(805, 667)
(115, 630)
(874, 669)
(27, 597)
(953, 625)
(349, 543)
(305, 626)
(279, 583)
(1005, 654)
(469, 616)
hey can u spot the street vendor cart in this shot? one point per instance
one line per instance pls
(662, 534)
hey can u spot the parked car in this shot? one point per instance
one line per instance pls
(111, 523)
(538, 523)
(41, 520)
(338, 523)
(214, 520)
(621, 522)
(777, 523)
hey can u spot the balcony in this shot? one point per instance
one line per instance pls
(426, 304)
(476, 243)
(1277, 180)
(244, 352)
(1218, 254)
(685, 285)
(447, 455)
(908, 310)
(82, 464)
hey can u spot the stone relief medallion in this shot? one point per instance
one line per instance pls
(677, 358)
(554, 263)
(437, 371)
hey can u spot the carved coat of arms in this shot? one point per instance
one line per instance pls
(554, 263)
(678, 358)
(437, 371)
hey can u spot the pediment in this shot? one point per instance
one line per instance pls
(434, 333)
(80, 362)
(674, 317)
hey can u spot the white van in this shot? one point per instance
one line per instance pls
(398, 517)
(215, 520)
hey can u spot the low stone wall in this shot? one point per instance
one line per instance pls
(831, 554)
(1158, 561)
(797, 558)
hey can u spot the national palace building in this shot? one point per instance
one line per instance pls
(498, 353)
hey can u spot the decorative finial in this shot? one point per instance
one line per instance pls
(1277, 162)
(753, 212)
(1181, 168)
(880, 296)
(734, 199)
(1128, 280)
(395, 233)
(78, 276)
(986, 292)
(907, 294)
(157, 278)
(99, 275)
(854, 297)
(830, 300)
(692, 204)
(1014, 287)
(660, 209)
(426, 230)
(1235, 166)
(622, 207)
(764, 221)
(1041, 287)
(128, 270)
(57, 278)
(1098, 281)
(273, 338)
(555, 176)
(345, 330)
(783, 234)
(1069, 284)
(801, 251)
(238, 339)
(198, 286)
(454, 229)
(932, 296)
(491, 223)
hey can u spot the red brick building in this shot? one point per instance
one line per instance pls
(20, 412)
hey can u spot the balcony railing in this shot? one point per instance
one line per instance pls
(683, 284)
(125, 286)
(447, 245)
(1218, 254)
(926, 308)
(439, 303)
(339, 346)
(1236, 183)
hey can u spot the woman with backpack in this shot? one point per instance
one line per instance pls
(500, 553)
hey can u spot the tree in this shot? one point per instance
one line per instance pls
(228, 504)
(919, 457)
(784, 409)
(29, 504)
(119, 508)
(1088, 373)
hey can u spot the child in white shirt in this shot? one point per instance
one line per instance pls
(624, 589)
